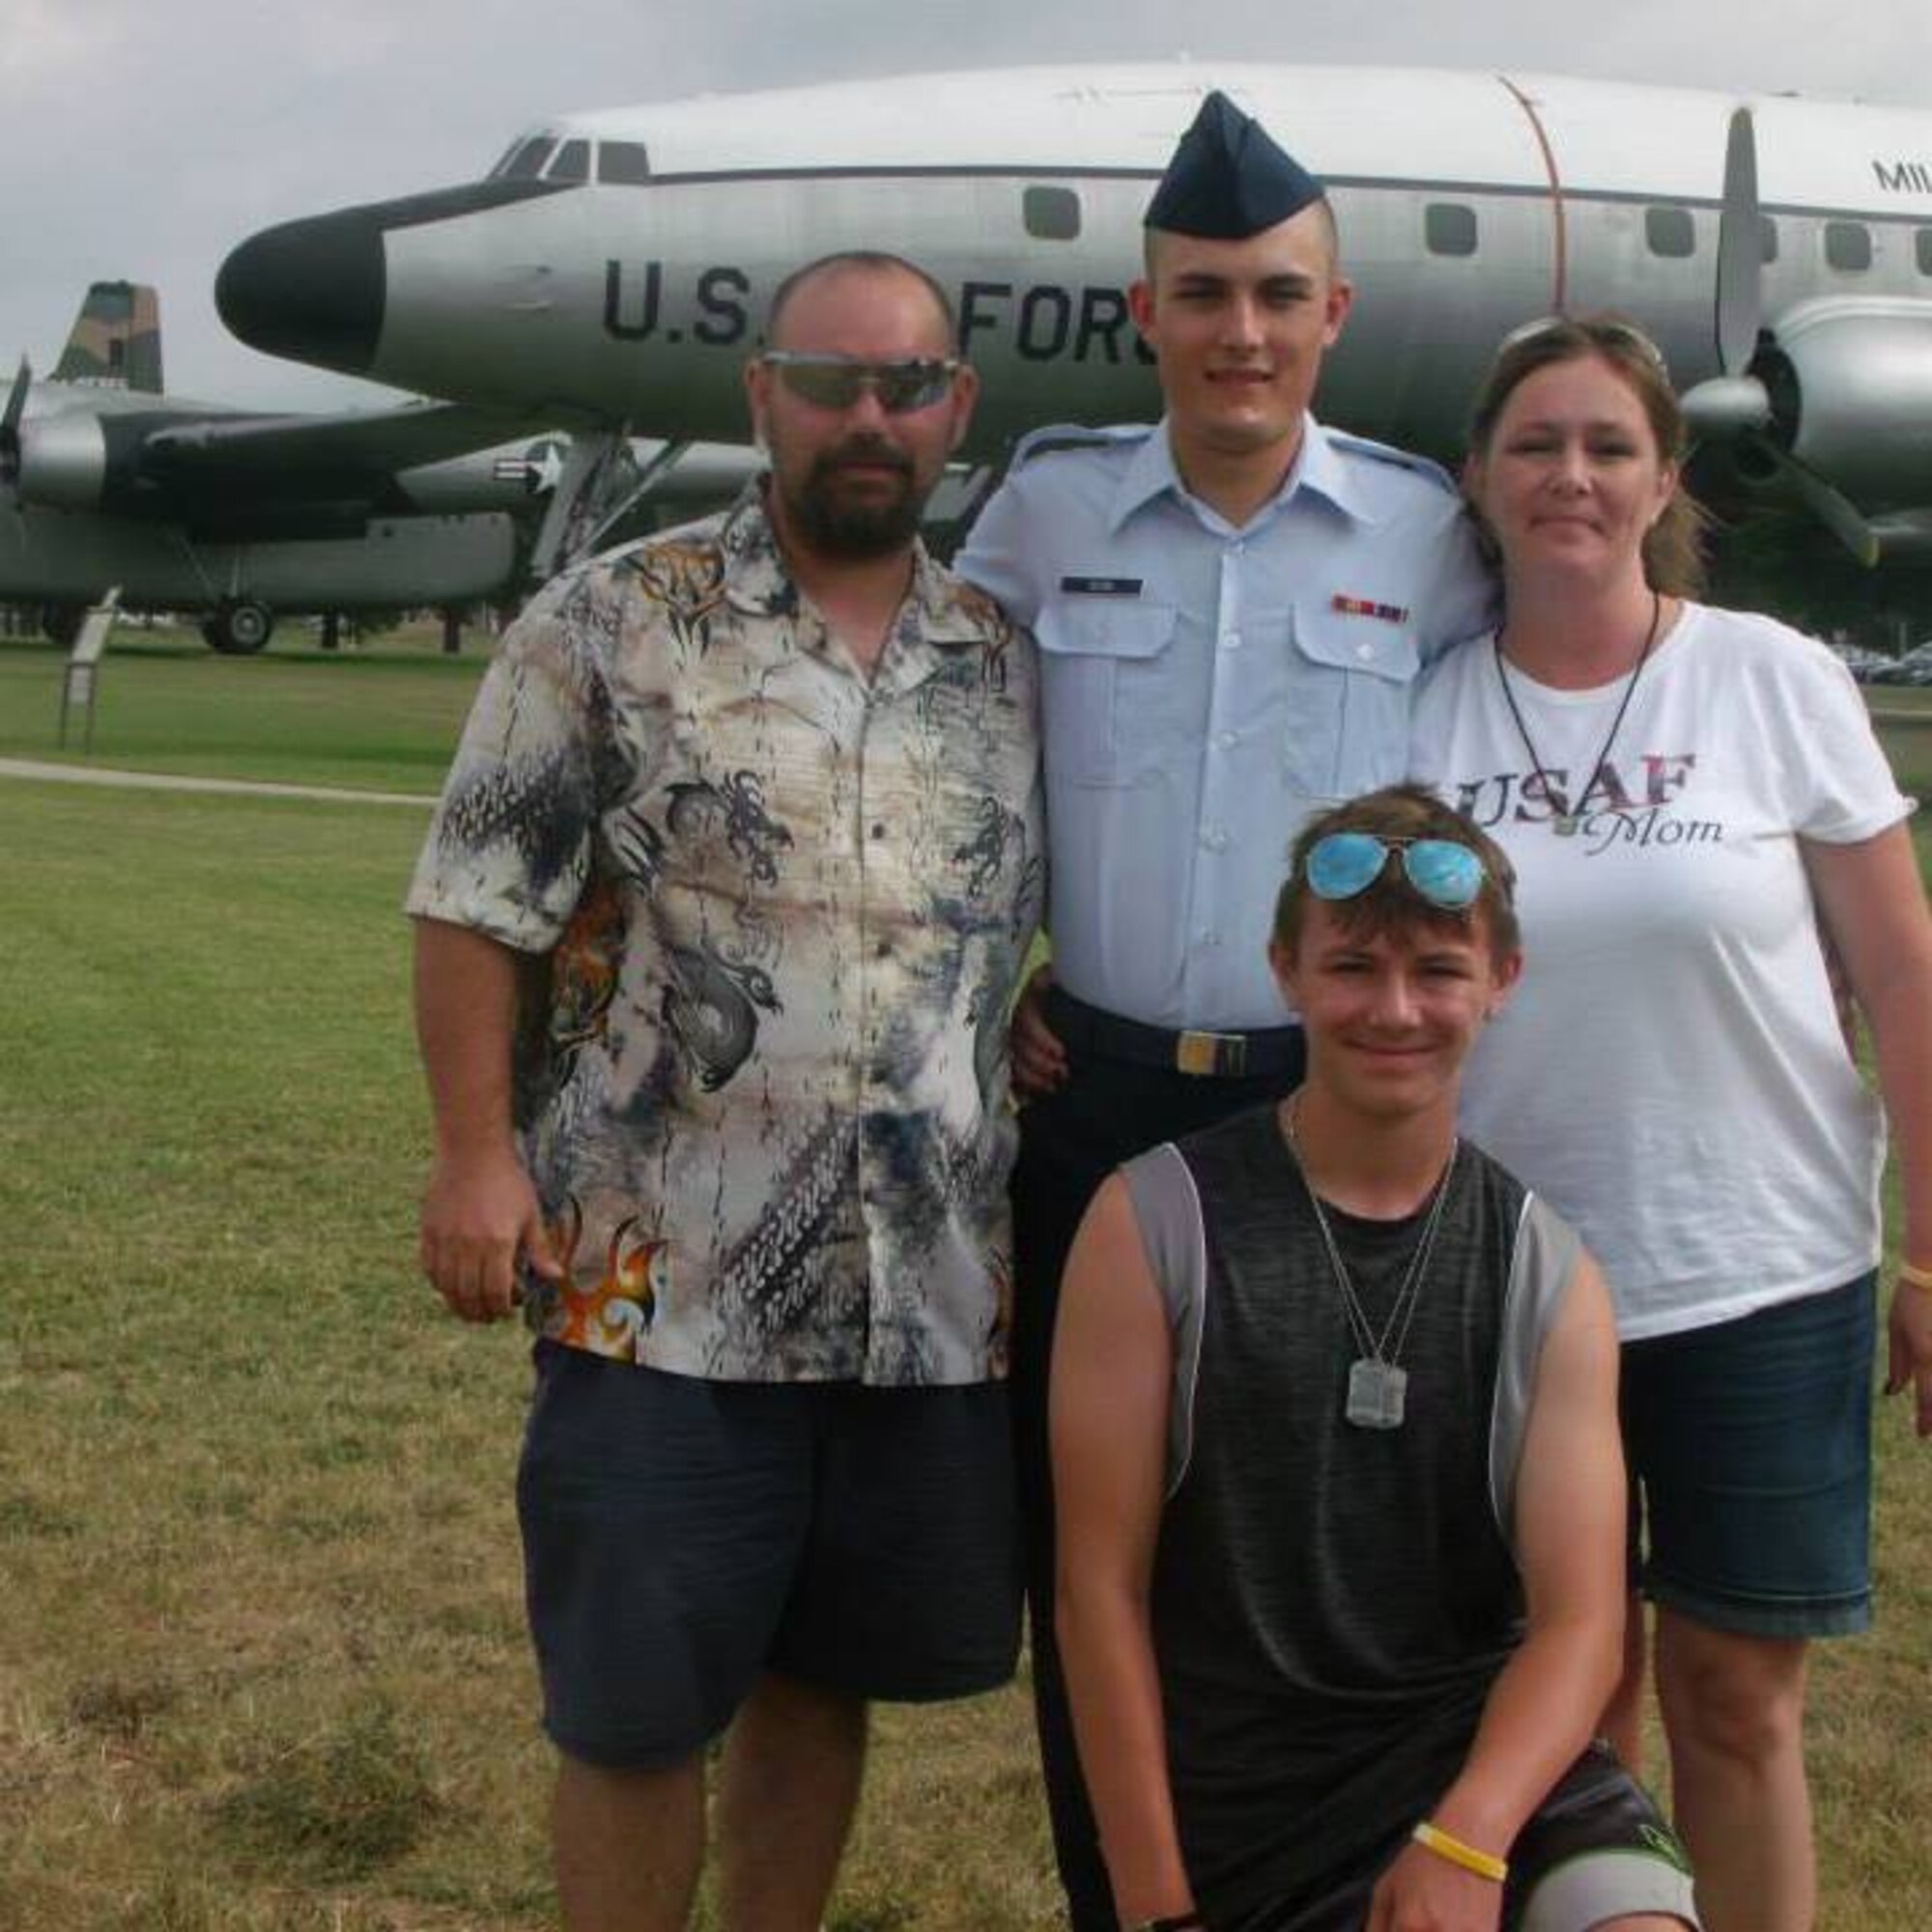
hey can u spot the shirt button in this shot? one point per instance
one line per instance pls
(883, 950)
(1228, 740)
(1208, 937)
(1215, 838)
(1365, 652)
(878, 830)
(1231, 641)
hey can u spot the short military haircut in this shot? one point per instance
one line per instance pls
(1390, 905)
(860, 261)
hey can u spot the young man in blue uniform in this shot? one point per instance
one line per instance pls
(1231, 607)
(1336, 1452)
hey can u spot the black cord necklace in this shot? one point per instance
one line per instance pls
(1568, 813)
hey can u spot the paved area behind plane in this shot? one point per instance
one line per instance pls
(95, 774)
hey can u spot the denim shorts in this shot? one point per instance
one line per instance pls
(1750, 1448)
(682, 1537)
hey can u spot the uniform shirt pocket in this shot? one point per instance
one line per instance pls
(1351, 678)
(1107, 666)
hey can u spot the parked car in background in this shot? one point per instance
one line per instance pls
(1868, 667)
(1915, 667)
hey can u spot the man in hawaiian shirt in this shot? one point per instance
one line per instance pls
(753, 808)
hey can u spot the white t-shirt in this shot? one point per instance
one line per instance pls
(1670, 1074)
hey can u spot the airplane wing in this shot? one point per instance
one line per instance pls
(217, 470)
(280, 449)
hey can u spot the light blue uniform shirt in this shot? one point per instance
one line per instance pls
(1205, 689)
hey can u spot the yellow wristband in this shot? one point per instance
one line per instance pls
(1433, 1839)
(1913, 1276)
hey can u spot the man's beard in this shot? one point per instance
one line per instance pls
(835, 525)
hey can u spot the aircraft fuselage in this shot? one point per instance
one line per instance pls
(70, 557)
(1468, 203)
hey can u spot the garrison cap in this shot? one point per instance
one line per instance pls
(1228, 178)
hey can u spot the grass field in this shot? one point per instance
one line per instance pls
(382, 718)
(262, 1666)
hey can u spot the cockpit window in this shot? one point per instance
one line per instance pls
(572, 164)
(526, 164)
(622, 163)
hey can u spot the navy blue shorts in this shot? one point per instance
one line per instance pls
(1750, 1448)
(682, 1537)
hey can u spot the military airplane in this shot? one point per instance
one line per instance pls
(195, 506)
(617, 266)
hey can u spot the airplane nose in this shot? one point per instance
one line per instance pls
(310, 289)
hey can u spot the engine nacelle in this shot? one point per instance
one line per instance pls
(86, 459)
(1850, 379)
(64, 462)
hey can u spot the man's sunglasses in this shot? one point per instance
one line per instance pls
(1346, 864)
(837, 382)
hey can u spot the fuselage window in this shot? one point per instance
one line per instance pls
(526, 164)
(1051, 213)
(1848, 245)
(1923, 244)
(1449, 228)
(622, 163)
(572, 164)
(1766, 240)
(1670, 231)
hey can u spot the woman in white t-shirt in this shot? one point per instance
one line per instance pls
(1687, 793)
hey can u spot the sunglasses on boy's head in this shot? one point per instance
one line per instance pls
(1347, 863)
(837, 381)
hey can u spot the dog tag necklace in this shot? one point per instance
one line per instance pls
(1378, 1383)
(1569, 817)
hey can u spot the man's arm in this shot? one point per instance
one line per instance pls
(1463, 600)
(1570, 1506)
(1001, 554)
(479, 1208)
(1112, 1361)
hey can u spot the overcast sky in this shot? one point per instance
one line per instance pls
(145, 138)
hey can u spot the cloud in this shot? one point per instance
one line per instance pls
(47, 41)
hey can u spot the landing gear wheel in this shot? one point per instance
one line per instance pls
(239, 627)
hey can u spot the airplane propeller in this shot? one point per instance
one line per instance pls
(1736, 410)
(9, 429)
(1740, 250)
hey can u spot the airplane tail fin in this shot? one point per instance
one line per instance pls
(116, 341)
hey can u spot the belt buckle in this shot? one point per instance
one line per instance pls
(1211, 1053)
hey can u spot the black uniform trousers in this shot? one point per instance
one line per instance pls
(1107, 1111)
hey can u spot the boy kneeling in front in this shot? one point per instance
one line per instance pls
(1340, 1498)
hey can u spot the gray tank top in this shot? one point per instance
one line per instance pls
(1331, 1605)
